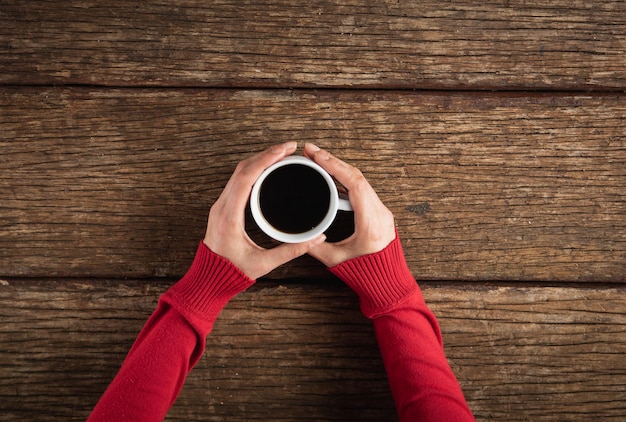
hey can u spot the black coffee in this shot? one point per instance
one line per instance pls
(294, 198)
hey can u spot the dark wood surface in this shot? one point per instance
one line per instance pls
(553, 45)
(299, 350)
(495, 131)
(118, 183)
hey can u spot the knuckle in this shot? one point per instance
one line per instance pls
(359, 178)
(241, 167)
(243, 171)
(358, 182)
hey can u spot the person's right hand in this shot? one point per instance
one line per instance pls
(374, 226)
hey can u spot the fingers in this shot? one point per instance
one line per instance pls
(328, 254)
(362, 195)
(239, 186)
(343, 172)
(273, 258)
(250, 169)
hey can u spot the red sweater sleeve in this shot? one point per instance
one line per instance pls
(422, 383)
(171, 342)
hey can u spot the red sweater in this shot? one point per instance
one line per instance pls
(173, 339)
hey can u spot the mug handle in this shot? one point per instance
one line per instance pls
(344, 203)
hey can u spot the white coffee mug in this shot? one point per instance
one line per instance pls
(336, 202)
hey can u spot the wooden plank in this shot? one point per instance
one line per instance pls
(561, 44)
(302, 351)
(112, 183)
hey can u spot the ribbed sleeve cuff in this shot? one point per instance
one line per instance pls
(208, 285)
(382, 280)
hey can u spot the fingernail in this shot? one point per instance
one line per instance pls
(314, 147)
(324, 155)
(286, 147)
(290, 146)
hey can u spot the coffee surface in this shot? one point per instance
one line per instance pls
(294, 198)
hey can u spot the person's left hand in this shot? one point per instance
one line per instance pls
(226, 235)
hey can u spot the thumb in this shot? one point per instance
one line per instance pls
(284, 253)
(329, 254)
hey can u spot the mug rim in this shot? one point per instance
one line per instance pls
(281, 236)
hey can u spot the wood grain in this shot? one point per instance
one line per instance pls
(302, 351)
(105, 187)
(112, 183)
(556, 45)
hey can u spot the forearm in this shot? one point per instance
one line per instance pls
(154, 370)
(171, 342)
(422, 383)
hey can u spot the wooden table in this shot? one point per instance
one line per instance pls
(495, 131)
